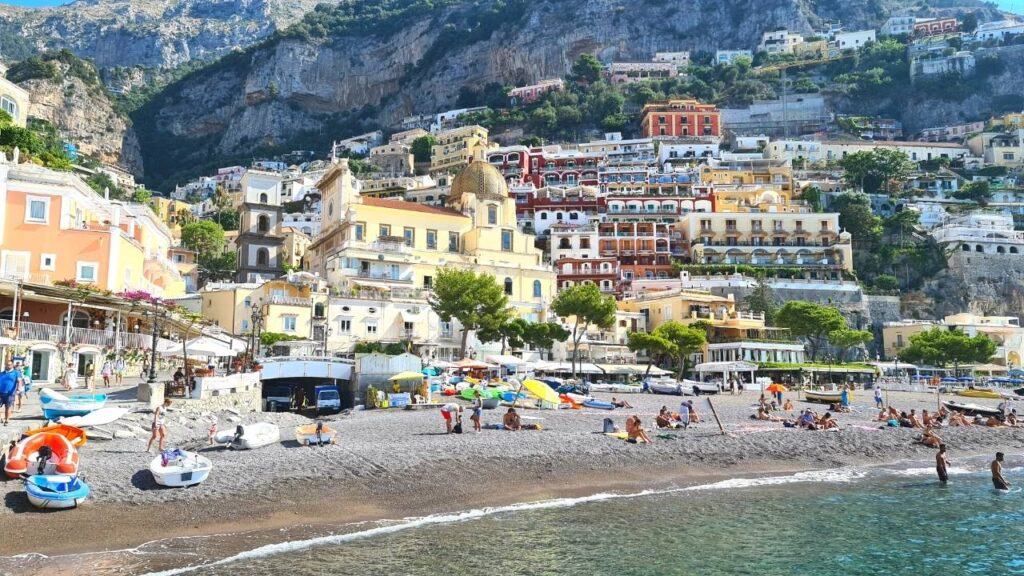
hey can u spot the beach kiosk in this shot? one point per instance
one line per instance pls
(726, 369)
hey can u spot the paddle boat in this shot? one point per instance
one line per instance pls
(979, 393)
(75, 435)
(249, 436)
(318, 434)
(179, 468)
(56, 405)
(823, 397)
(46, 453)
(971, 409)
(100, 417)
(56, 491)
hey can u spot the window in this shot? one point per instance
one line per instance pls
(10, 106)
(263, 224)
(385, 230)
(344, 326)
(371, 327)
(428, 281)
(360, 230)
(263, 257)
(506, 240)
(537, 290)
(410, 236)
(47, 261)
(574, 216)
(288, 323)
(37, 210)
(543, 215)
(453, 241)
(492, 214)
(508, 286)
(263, 198)
(245, 325)
(87, 272)
(247, 302)
(431, 239)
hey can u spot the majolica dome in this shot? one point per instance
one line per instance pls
(481, 179)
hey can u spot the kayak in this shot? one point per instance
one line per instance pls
(100, 417)
(57, 453)
(56, 405)
(75, 435)
(318, 433)
(56, 491)
(599, 404)
(179, 468)
(249, 436)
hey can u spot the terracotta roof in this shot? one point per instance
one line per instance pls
(410, 206)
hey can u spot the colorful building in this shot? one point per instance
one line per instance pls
(679, 119)
(457, 147)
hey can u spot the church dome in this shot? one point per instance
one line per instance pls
(480, 179)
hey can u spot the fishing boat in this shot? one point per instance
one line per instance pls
(249, 436)
(75, 435)
(823, 397)
(45, 453)
(971, 409)
(616, 388)
(318, 434)
(56, 491)
(100, 417)
(979, 393)
(56, 405)
(179, 468)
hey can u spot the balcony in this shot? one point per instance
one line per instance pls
(36, 332)
(384, 276)
(290, 301)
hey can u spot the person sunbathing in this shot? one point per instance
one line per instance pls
(512, 421)
(928, 438)
(883, 416)
(808, 421)
(763, 414)
(894, 413)
(926, 420)
(958, 419)
(915, 422)
(827, 422)
(787, 406)
(994, 422)
(620, 403)
(1011, 418)
(635, 431)
(694, 417)
(664, 418)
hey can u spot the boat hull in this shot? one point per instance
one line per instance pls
(56, 492)
(823, 397)
(23, 457)
(307, 436)
(971, 409)
(979, 393)
(188, 470)
(253, 436)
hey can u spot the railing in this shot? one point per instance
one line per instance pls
(291, 301)
(34, 331)
(720, 244)
(371, 275)
(592, 272)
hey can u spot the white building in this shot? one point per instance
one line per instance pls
(360, 144)
(306, 222)
(449, 118)
(616, 149)
(961, 63)
(897, 25)
(780, 42)
(680, 59)
(980, 232)
(730, 56)
(853, 40)
(998, 30)
(669, 152)
(814, 151)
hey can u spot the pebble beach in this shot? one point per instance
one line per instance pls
(399, 463)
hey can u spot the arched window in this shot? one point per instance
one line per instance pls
(543, 215)
(1000, 250)
(558, 215)
(1013, 249)
(564, 243)
(978, 248)
(537, 291)
(263, 223)
(263, 257)
(508, 286)
(79, 319)
(966, 248)
(263, 198)
(574, 216)
(492, 214)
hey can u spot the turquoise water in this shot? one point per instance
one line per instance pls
(845, 522)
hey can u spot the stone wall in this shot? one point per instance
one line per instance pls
(974, 266)
(249, 400)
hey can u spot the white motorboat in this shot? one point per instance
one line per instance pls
(179, 468)
(249, 436)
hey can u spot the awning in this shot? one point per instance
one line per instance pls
(582, 367)
(409, 316)
(737, 366)
(631, 369)
(504, 360)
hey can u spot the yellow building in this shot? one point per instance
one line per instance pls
(294, 248)
(686, 306)
(15, 101)
(290, 305)
(170, 212)
(767, 173)
(754, 198)
(809, 240)
(1009, 121)
(457, 147)
(1005, 331)
(372, 245)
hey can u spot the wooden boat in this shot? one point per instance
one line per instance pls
(179, 468)
(971, 409)
(318, 434)
(823, 396)
(56, 491)
(979, 393)
(45, 453)
(76, 436)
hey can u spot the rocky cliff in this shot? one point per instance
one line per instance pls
(145, 32)
(83, 114)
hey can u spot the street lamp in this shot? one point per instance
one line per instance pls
(254, 335)
(155, 315)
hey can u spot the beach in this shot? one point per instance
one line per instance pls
(392, 464)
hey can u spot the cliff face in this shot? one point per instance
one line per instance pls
(148, 32)
(84, 115)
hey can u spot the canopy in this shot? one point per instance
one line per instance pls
(503, 360)
(989, 368)
(470, 363)
(581, 367)
(736, 366)
(631, 369)
(439, 364)
(407, 375)
(5, 341)
(220, 345)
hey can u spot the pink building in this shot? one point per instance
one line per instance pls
(533, 92)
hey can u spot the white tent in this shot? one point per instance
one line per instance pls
(727, 368)
(219, 345)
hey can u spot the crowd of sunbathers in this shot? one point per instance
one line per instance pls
(943, 417)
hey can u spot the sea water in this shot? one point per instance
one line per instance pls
(840, 522)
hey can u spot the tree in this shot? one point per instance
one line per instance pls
(510, 333)
(762, 299)
(844, 339)
(421, 148)
(228, 218)
(877, 170)
(979, 192)
(969, 22)
(656, 346)
(685, 340)
(587, 68)
(543, 335)
(217, 267)
(476, 301)
(141, 195)
(856, 217)
(810, 321)
(206, 237)
(812, 195)
(585, 304)
(940, 346)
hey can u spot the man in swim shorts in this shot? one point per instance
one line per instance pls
(941, 464)
(446, 412)
(998, 481)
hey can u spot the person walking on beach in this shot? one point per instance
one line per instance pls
(159, 428)
(119, 371)
(446, 412)
(478, 410)
(878, 397)
(19, 388)
(8, 386)
(941, 464)
(70, 377)
(106, 371)
(89, 373)
(998, 481)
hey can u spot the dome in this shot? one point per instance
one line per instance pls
(480, 179)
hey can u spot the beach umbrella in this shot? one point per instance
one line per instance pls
(407, 375)
(776, 387)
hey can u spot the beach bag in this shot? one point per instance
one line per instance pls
(609, 426)
(457, 428)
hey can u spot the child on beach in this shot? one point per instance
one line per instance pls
(478, 410)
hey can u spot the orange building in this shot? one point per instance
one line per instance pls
(642, 248)
(680, 119)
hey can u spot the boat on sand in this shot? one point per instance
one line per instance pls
(318, 433)
(822, 396)
(180, 468)
(46, 453)
(56, 491)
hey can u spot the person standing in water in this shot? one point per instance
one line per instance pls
(941, 464)
(998, 481)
